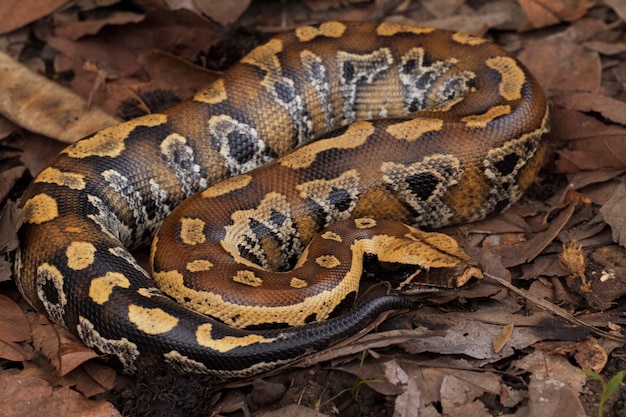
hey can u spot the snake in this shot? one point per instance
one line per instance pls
(264, 195)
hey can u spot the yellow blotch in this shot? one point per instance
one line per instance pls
(355, 136)
(327, 261)
(40, 209)
(298, 283)
(147, 292)
(73, 229)
(247, 278)
(481, 120)
(465, 39)
(151, 320)
(63, 179)
(364, 223)
(110, 141)
(80, 255)
(513, 76)
(225, 187)
(264, 56)
(390, 29)
(225, 344)
(199, 265)
(331, 236)
(213, 94)
(192, 231)
(415, 128)
(100, 289)
(328, 29)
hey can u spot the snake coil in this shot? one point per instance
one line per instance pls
(421, 126)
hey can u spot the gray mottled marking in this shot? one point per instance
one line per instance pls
(357, 69)
(125, 350)
(422, 185)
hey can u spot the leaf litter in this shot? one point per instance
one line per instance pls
(511, 345)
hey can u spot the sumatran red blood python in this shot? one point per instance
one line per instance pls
(332, 143)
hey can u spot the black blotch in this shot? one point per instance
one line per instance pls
(427, 61)
(423, 185)
(244, 252)
(50, 291)
(258, 228)
(310, 318)
(348, 71)
(260, 72)
(415, 105)
(285, 92)
(507, 164)
(242, 146)
(317, 71)
(277, 218)
(343, 305)
(340, 199)
(409, 66)
(425, 81)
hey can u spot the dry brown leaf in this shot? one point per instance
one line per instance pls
(542, 13)
(549, 397)
(78, 29)
(579, 69)
(527, 251)
(538, 15)
(607, 271)
(614, 212)
(17, 13)
(57, 113)
(14, 326)
(610, 108)
(28, 396)
(223, 12)
(618, 6)
(606, 48)
(91, 379)
(56, 343)
(503, 337)
(13, 352)
(292, 410)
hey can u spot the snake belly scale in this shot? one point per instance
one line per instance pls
(421, 126)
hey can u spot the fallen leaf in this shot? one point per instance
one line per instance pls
(14, 326)
(542, 13)
(222, 12)
(503, 337)
(62, 349)
(524, 252)
(77, 29)
(610, 108)
(614, 212)
(292, 410)
(57, 113)
(579, 69)
(17, 13)
(27, 396)
(91, 379)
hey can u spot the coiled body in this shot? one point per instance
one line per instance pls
(421, 126)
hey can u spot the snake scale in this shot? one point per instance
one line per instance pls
(414, 125)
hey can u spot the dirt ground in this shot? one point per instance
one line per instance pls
(550, 307)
